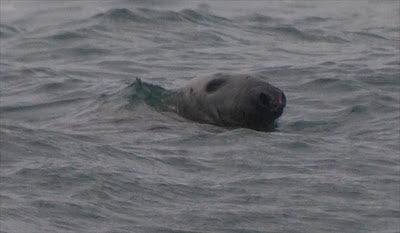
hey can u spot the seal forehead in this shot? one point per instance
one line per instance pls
(215, 84)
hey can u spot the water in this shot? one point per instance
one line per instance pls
(81, 153)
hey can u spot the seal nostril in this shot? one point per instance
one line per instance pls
(264, 99)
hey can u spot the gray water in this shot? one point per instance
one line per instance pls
(81, 153)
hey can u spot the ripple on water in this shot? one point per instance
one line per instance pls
(314, 126)
(151, 16)
(7, 31)
(310, 36)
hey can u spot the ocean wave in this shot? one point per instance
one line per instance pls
(364, 35)
(315, 19)
(150, 16)
(38, 106)
(332, 85)
(255, 18)
(316, 36)
(7, 31)
(68, 35)
(314, 126)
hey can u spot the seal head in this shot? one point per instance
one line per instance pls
(232, 100)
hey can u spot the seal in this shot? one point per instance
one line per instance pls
(230, 100)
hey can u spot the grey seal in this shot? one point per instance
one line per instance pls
(229, 100)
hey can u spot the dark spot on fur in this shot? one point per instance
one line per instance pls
(214, 85)
(191, 90)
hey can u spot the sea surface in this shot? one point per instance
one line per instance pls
(81, 152)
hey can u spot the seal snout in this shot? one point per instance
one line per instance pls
(274, 103)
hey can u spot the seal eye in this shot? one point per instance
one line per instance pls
(214, 85)
(264, 99)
